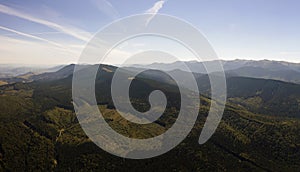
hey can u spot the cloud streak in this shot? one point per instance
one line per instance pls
(74, 32)
(156, 7)
(154, 10)
(15, 50)
(30, 36)
(106, 7)
(30, 52)
(44, 33)
(37, 38)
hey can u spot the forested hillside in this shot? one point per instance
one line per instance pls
(40, 132)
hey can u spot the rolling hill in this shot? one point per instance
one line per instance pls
(39, 130)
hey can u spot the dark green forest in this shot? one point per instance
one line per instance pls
(259, 130)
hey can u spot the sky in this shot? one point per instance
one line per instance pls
(56, 31)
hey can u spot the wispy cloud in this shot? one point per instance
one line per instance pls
(106, 7)
(34, 52)
(37, 38)
(156, 7)
(76, 33)
(40, 50)
(154, 10)
(30, 36)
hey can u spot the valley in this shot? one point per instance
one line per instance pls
(258, 132)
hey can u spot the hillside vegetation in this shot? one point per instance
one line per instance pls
(39, 130)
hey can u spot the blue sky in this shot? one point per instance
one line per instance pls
(55, 31)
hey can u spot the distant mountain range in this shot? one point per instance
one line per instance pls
(15, 73)
(266, 69)
(9, 70)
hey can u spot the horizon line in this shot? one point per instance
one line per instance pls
(69, 63)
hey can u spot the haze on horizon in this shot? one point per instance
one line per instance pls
(55, 32)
